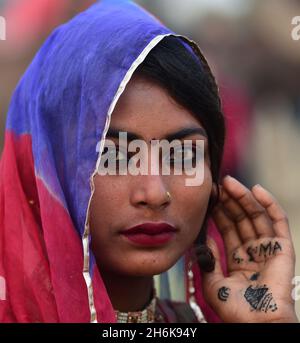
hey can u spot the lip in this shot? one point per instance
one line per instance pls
(150, 233)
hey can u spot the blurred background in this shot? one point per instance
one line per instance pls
(249, 46)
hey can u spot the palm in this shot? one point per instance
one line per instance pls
(260, 258)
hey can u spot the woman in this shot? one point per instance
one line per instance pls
(82, 245)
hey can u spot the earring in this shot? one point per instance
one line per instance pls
(192, 295)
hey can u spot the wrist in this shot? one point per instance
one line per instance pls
(289, 319)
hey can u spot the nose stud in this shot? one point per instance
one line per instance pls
(168, 196)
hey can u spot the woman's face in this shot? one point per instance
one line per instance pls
(123, 201)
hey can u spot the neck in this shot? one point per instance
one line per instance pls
(128, 294)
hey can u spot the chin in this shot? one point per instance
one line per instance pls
(149, 268)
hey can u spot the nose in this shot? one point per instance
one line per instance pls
(149, 191)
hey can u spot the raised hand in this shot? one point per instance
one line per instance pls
(260, 258)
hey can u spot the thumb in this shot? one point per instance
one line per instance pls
(210, 280)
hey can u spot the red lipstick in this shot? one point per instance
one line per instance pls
(150, 234)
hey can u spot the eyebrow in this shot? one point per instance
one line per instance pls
(187, 131)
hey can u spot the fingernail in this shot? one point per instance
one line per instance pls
(228, 177)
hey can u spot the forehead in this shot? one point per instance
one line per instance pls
(148, 110)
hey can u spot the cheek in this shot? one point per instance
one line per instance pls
(105, 201)
(192, 204)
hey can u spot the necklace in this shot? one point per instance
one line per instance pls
(145, 316)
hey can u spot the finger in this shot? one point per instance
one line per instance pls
(274, 210)
(255, 211)
(211, 278)
(227, 229)
(235, 211)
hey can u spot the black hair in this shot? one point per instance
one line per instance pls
(188, 79)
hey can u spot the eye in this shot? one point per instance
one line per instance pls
(180, 154)
(114, 158)
(185, 156)
(121, 156)
(115, 153)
